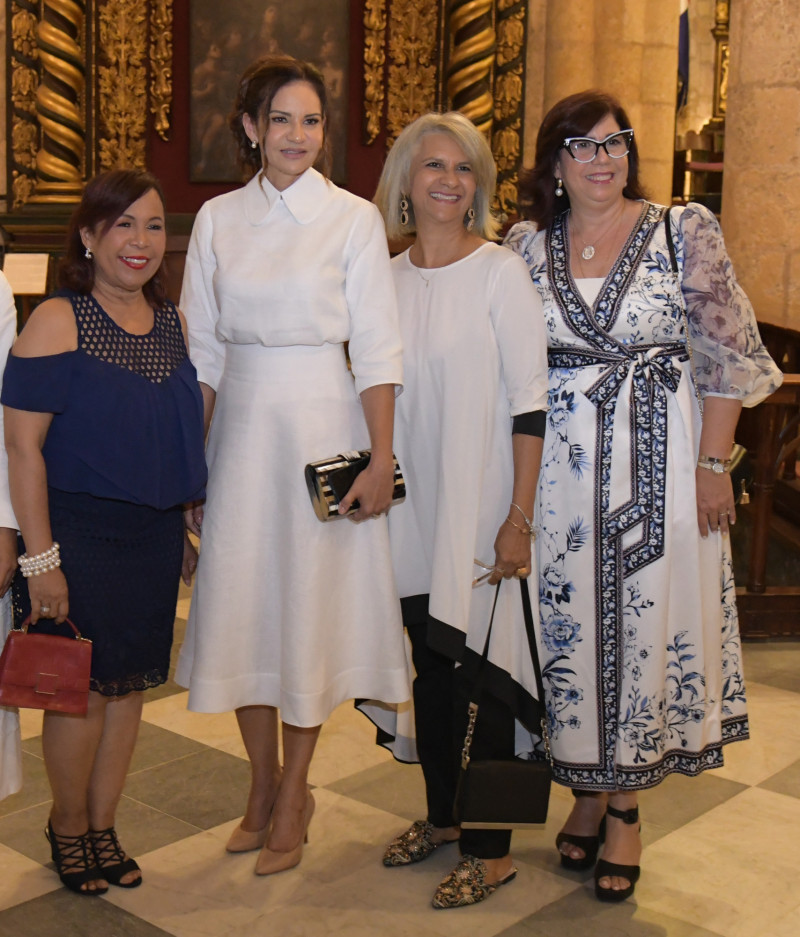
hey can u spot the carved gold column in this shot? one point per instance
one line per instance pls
(469, 72)
(122, 84)
(413, 31)
(59, 103)
(374, 63)
(24, 83)
(509, 99)
(161, 65)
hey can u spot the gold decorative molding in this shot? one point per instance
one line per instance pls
(122, 84)
(509, 99)
(161, 65)
(720, 32)
(59, 102)
(411, 85)
(469, 72)
(374, 64)
(24, 83)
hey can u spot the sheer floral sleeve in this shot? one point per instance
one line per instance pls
(729, 358)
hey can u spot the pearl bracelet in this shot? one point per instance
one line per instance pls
(40, 562)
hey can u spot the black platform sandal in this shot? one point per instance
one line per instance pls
(612, 869)
(75, 862)
(589, 844)
(111, 860)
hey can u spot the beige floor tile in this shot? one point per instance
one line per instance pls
(22, 879)
(733, 870)
(30, 722)
(774, 741)
(217, 730)
(195, 890)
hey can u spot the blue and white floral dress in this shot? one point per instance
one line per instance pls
(640, 636)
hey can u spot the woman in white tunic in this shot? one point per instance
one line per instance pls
(289, 613)
(641, 646)
(469, 437)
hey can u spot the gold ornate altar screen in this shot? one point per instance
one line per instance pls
(90, 81)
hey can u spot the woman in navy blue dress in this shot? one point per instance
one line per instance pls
(104, 433)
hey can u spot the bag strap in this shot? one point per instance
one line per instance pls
(26, 624)
(477, 689)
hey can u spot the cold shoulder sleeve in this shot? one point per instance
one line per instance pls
(41, 384)
(729, 358)
(199, 304)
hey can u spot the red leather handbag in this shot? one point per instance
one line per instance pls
(45, 671)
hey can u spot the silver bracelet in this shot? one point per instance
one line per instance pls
(40, 562)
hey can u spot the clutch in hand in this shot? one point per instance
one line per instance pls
(330, 479)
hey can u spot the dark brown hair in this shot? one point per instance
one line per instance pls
(258, 86)
(105, 198)
(573, 116)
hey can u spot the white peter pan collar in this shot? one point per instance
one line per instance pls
(305, 199)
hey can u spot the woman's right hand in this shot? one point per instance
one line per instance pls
(48, 591)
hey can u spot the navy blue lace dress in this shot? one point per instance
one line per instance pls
(123, 453)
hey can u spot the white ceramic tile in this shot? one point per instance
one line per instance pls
(732, 870)
(774, 741)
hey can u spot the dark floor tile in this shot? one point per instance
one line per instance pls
(64, 914)
(678, 800)
(785, 782)
(202, 789)
(580, 914)
(156, 746)
(390, 786)
(774, 663)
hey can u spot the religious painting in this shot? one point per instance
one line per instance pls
(226, 37)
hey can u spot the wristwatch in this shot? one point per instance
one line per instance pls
(717, 466)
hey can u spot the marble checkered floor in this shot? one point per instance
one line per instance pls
(722, 852)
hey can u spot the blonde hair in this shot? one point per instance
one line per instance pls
(395, 180)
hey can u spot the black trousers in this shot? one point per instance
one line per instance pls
(441, 697)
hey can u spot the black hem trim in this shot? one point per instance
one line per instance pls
(449, 641)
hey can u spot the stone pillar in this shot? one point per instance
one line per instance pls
(761, 182)
(627, 47)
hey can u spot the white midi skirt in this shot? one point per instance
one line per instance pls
(288, 611)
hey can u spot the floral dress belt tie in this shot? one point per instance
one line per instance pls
(646, 373)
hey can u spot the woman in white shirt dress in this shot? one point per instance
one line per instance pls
(289, 613)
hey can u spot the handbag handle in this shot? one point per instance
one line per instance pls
(477, 688)
(26, 624)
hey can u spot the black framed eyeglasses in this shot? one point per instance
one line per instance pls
(584, 149)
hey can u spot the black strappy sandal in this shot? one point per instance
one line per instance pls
(75, 862)
(111, 860)
(612, 869)
(589, 844)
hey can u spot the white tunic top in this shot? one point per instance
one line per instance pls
(474, 357)
(289, 611)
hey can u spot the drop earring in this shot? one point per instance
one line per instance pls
(404, 210)
(559, 188)
(254, 144)
(88, 253)
(470, 218)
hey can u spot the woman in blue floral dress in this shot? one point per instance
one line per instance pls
(639, 627)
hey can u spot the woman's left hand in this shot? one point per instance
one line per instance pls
(189, 563)
(716, 508)
(372, 489)
(512, 553)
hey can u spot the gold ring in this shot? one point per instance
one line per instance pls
(522, 573)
